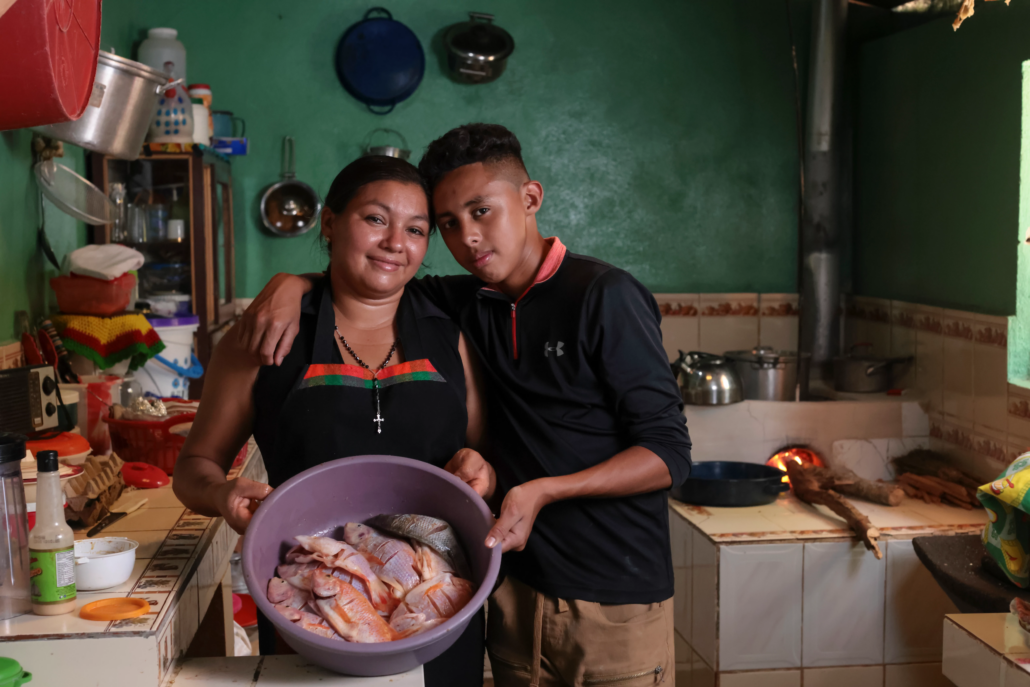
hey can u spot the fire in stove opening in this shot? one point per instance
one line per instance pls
(798, 454)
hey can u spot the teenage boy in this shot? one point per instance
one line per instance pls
(584, 417)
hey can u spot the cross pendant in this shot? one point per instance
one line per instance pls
(379, 420)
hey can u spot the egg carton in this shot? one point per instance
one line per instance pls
(99, 473)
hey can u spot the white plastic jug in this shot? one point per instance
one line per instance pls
(161, 47)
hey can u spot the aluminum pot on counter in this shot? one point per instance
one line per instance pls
(124, 100)
(769, 374)
(707, 380)
(864, 373)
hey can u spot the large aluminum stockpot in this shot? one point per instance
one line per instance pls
(124, 100)
(769, 374)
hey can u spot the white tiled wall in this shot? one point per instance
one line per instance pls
(760, 606)
(704, 594)
(804, 613)
(915, 604)
(752, 431)
(960, 377)
(843, 605)
(720, 322)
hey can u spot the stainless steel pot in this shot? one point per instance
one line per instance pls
(770, 375)
(477, 50)
(124, 101)
(864, 373)
(707, 380)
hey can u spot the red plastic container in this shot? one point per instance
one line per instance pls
(148, 442)
(48, 50)
(89, 296)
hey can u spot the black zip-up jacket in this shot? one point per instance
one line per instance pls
(575, 373)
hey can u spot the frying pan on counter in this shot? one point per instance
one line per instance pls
(728, 484)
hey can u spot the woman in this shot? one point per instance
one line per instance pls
(375, 369)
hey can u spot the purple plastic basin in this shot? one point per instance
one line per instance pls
(321, 501)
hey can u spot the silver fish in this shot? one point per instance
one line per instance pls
(432, 532)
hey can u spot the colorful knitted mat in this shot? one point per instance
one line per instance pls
(110, 340)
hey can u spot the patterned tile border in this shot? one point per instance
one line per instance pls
(958, 327)
(779, 305)
(904, 315)
(870, 309)
(991, 334)
(729, 304)
(929, 322)
(1019, 402)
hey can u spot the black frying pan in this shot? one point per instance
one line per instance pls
(730, 484)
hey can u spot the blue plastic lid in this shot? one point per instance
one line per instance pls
(184, 321)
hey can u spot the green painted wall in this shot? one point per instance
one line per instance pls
(663, 132)
(937, 146)
(24, 271)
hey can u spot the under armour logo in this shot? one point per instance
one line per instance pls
(557, 349)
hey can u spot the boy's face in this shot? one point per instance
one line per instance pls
(482, 214)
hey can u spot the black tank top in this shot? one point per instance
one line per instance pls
(315, 408)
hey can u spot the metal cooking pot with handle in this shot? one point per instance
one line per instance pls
(477, 50)
(124, 100)
(769, 374)
(864, 373)
(707, 380)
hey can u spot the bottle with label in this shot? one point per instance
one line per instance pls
(51, 544)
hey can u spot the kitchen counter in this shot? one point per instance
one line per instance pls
(182, 566)
(788, 519)
(277, 671)
(986, 650)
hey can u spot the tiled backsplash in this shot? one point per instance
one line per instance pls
(719, 322)
(958, 377)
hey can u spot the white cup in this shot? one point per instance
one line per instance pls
(176, 230)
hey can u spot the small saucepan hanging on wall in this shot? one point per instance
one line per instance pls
(290, 207)
(398, 149)
(380, 61)
(477, 50)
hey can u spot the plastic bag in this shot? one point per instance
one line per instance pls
(1007, 534)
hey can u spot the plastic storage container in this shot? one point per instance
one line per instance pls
(89, 296)
(148, 442)
(168, 374)
(14, 535)
(162, 46)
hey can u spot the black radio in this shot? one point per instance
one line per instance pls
(28, 399)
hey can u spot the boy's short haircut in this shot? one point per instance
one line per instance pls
(490, 144)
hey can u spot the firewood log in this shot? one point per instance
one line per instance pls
(845, 481)
(807, 488)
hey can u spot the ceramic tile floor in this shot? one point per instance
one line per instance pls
(789, 518)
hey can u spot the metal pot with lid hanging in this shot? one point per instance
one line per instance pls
(290, 207)
(477, 50)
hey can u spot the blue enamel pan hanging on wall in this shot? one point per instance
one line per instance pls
(380, 61)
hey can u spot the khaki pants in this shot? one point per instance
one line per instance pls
(536, 640)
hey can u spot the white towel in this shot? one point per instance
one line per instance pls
(103, 261)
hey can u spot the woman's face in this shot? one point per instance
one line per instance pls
(378, 241)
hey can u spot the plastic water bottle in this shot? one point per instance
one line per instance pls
(131, 390)
(162, 46)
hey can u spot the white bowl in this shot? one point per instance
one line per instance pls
(103, 562)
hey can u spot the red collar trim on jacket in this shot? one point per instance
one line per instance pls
(552, 261)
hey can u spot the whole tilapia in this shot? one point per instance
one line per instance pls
(432, 532)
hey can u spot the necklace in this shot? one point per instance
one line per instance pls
(375, 374)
